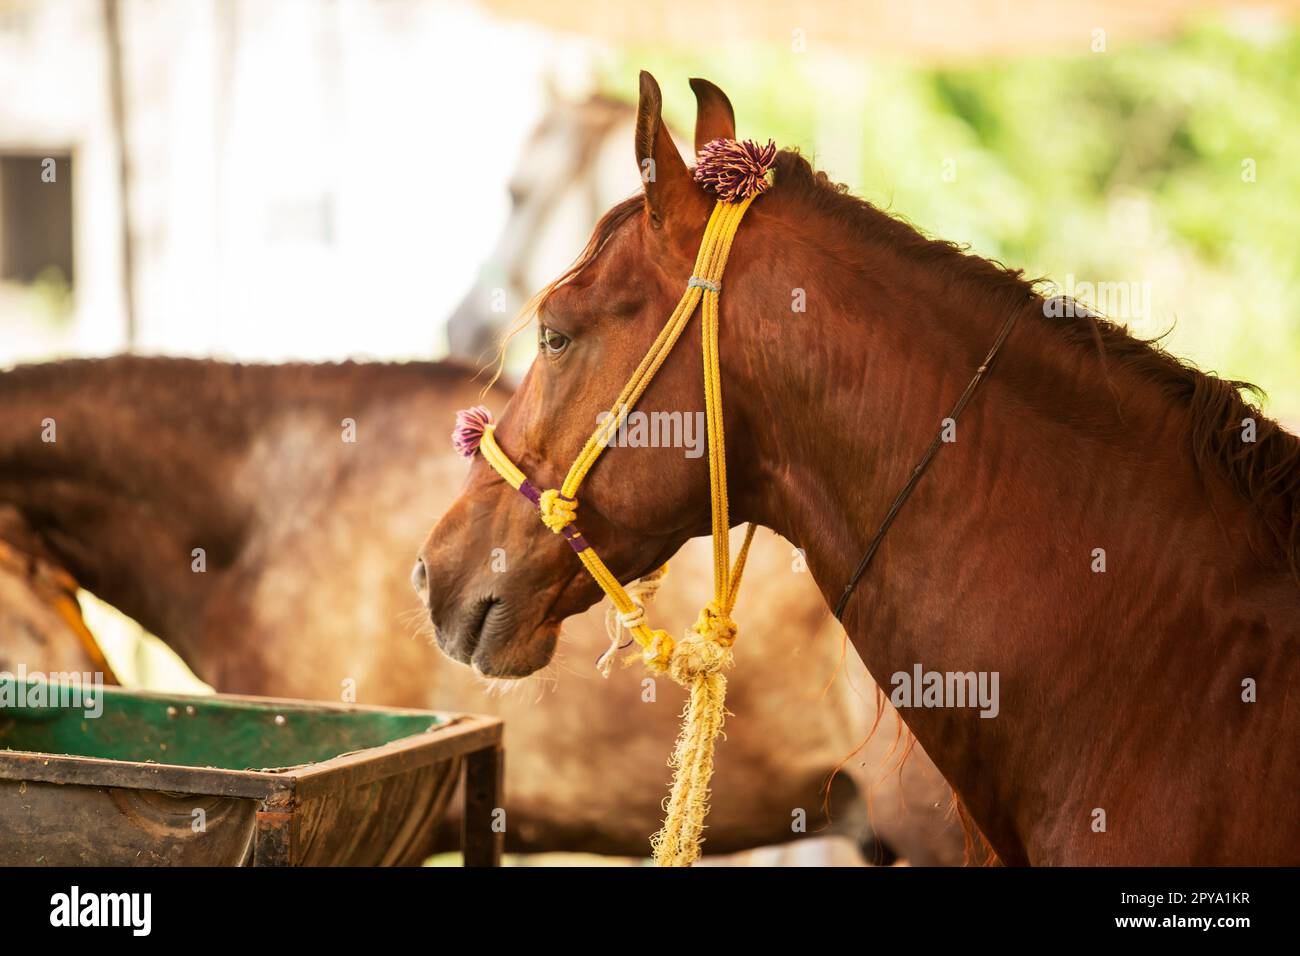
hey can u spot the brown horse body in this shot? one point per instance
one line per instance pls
(1103, 533)
(306, 540)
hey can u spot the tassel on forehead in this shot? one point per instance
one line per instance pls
(734, 170)
(470, 424)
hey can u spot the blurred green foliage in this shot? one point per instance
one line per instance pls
(1173, 164)
(51, 293)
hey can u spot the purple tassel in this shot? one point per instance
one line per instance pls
(470, 425)
(735, 170)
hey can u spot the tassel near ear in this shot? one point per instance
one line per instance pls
(733, 171)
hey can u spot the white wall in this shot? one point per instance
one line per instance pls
(310, 178)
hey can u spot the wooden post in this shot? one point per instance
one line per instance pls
(481, 840)
(117, 95)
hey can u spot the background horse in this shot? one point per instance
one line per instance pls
(571, 170)
(161, 467)
(41, 628)
(1112, 532)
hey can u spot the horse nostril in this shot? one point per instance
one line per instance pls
(420, 577)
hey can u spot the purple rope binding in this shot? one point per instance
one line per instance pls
(468, 435)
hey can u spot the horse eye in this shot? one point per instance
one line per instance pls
(552, 341)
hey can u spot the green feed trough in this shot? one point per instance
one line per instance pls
(121, 778)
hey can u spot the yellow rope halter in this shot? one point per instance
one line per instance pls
(696, 662)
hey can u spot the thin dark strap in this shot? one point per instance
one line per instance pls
(924, 463)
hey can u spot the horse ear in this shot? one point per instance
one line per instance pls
(666, 178)
(714, 117)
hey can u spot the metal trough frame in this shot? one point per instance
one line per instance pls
(476, 739)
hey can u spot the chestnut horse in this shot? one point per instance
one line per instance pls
(303, 592)
(1109, 531)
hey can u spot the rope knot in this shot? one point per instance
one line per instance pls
(715, 627)
(696, 657)
(641, 591)
(658, 654)
(558, 512)
(630, 619)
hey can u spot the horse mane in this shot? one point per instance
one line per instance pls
(1265, 473)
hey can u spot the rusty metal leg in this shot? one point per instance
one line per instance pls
(481, 834)
(274, 844)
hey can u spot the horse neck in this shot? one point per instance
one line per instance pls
(989, 567)
(138, 475)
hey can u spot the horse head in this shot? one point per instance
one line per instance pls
(498, 582)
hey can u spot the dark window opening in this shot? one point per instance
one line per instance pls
(35, 216)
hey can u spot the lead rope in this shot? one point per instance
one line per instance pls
(698, 660)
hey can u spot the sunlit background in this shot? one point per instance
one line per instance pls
(316, 179)
(320, 179)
